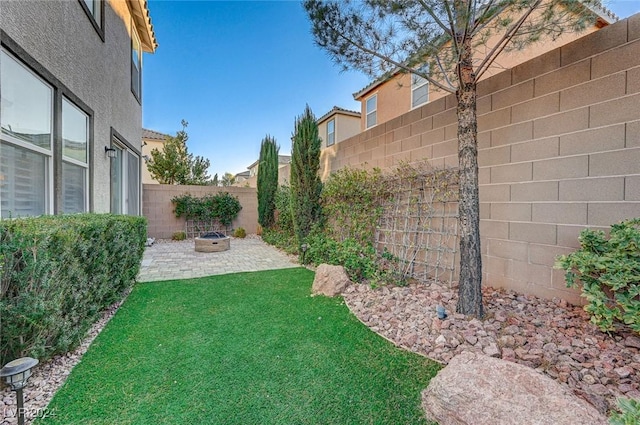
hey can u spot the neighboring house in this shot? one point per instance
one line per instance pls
(151, 140)
(392, 96)
(335, 126)
(242, 177)
(283, 172)
(71, 105)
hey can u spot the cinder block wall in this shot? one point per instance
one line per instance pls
(158, 209)
(559, 140)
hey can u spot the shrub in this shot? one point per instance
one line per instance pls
(609, 271)
(240, 233)
(267, 181)
(629, 413)
(179, 236)
(222, 207)
(57, 273)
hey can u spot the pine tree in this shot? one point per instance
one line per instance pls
(305, 180)
(267, 181)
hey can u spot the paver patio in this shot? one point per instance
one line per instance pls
(179, 260)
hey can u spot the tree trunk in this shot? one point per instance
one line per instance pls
(470, 290)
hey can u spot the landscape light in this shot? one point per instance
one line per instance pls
(16, 373)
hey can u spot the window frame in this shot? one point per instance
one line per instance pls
(368, 112)
(136, 71)
(331, 140)
(416, 86)
(98, 24)
(73, 161)
(49, 154)
(122, 145)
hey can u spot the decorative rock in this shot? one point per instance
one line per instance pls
(330, 280)
(632, 341)
(471, 390)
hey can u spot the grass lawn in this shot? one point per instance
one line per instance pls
(247, 348)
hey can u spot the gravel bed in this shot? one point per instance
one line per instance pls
(547, 335)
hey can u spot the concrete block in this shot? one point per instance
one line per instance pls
(450, 101)
(451, 132)
(422, 153)
(633, 27)
(496, 265)
(494, 119)
(621, 58)
(494, 156)
(605, 214)
(445, 118)
(530, 273)
(483, 105)
(370, 144)
(512, 173)
(632, 139)
(533, 232)
(536, 107)
(512, 95)
(410, 143)
(592, 189)
(393, 148)
(537, 66)
(484, 140)
(412, 116)
(593, 140)
(546, 254)
(451, 161)
(512, 250)
(494, 229)
(626, 161)
(495, 193)
(365, 156)
(402, 132)
(567, 76)
(433, 108)
(633, 81)
(422, 126)
(558, 124)
(535, 149)
(534, 191)
(594, 91)
(615, 111)
(494, 83)
(512, 134)
(511, 211)
(599, 41)
(485, 211)
(445, 149)
(632, 189)
(568, 236)
(561, 168)
(484, 175)
(432, 137)
(391, 125)
(560, 213)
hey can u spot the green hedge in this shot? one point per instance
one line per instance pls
(58, 273)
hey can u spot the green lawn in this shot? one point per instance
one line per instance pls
(247, 348)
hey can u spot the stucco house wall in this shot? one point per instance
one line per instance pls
(57, 40)
(559, 151)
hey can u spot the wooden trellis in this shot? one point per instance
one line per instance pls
(419, 225)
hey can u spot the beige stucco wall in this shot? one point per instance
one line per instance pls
(162, 222)
(559, 151)
(146, 150)
(394, 95)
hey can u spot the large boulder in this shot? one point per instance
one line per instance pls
(477, 389)
(330, 280)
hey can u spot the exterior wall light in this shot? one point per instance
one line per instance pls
(111, 153)
(304, 247)
(16, 373)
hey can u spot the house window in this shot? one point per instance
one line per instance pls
(136, 63)
(372, 110)
(331, 132)
(125, 180)
(75, 176)
(95, 9)
(26, 119)
(419, 88)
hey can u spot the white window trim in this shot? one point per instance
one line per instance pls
(334, 131)
(367, 112)
(415, 87)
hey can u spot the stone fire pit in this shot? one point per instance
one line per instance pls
(212, 242)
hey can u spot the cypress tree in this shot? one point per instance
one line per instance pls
(267, 181)
(305, 180)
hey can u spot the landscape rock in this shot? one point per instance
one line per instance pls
(478, 389)
(330, 280)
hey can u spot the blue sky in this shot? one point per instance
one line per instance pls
(239, 70)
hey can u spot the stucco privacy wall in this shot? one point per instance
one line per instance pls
(559, 150)
(162, 222)
(52, 33)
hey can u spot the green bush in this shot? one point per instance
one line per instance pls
(222, 207)
(58, 273)
(629, 413)
(179, 236)
(240, 233)
(609, 271)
